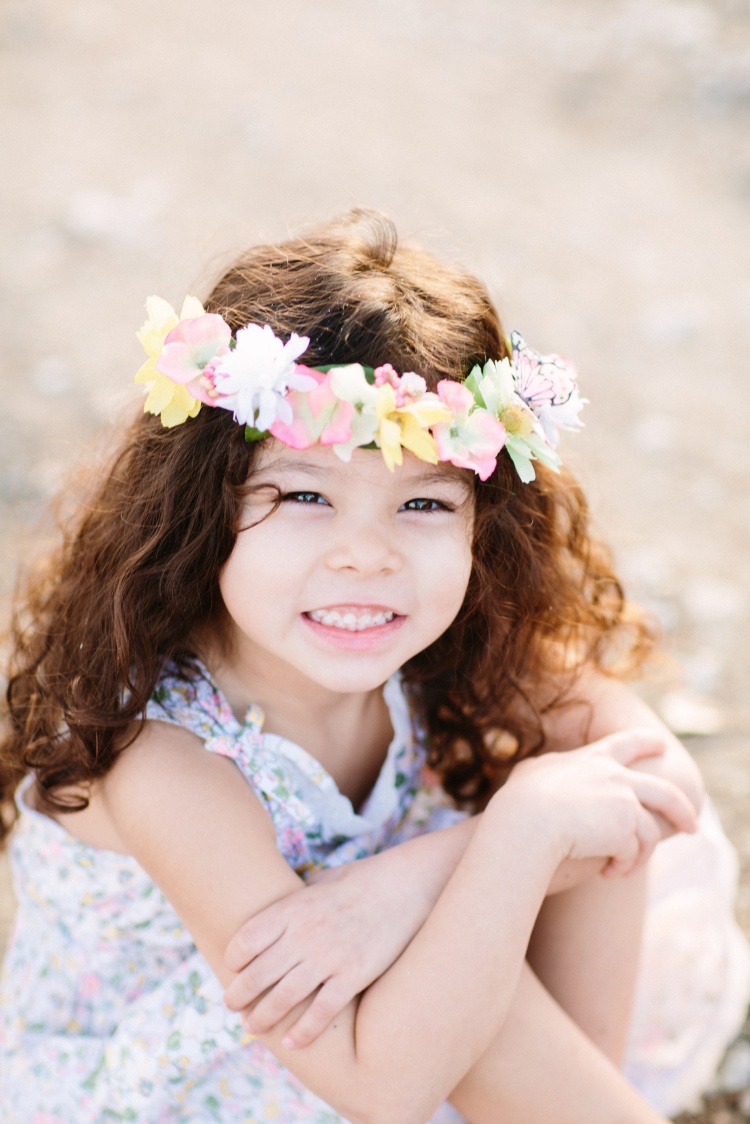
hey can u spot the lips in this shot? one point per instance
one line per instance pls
(351, 618)
(355, 628)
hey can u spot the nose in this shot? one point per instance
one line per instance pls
(366, 548)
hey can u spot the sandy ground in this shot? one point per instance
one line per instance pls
(591, 162)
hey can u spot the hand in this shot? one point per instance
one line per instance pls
(597, 802)
(329, 941)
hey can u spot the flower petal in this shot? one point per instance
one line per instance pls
(191, 309)
(389, 439)
(418, 441)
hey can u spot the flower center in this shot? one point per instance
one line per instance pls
(517, 421)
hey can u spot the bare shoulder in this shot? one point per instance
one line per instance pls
(193, 822)
(599, 705)
(157, 746)
(595, 705)
(165, 773)
(160, 760)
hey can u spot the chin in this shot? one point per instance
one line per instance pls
(352, 680)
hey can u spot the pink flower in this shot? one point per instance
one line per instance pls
(192, 350)
(408, 387)
(386, 373)
(472, 438)
(317, 415)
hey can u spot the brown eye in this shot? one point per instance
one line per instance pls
(426, 505)
(303, 497)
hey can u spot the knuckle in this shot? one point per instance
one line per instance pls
(259, 1024)
(284, 996)
(313, 1022)
(266, 1015)
(246, 936)
(250, 983)
(251, 1023)
(323, 1008)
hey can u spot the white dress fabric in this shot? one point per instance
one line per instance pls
(108, 1013)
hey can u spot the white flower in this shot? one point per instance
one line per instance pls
(350, 384)
(526, 439)
(412, 386)
(547, 384)
(554, 416)
(254, 377)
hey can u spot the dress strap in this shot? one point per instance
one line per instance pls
(197, 705)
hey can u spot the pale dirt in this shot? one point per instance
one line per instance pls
(591, 162)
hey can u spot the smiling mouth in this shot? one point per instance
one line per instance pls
(349, 620)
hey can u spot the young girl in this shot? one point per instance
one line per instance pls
(321, 609)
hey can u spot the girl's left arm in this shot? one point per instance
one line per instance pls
(353, 922)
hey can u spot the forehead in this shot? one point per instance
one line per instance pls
(366, 465)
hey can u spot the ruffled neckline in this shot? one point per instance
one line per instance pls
(382, 799)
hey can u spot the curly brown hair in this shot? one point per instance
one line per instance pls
(135, 581)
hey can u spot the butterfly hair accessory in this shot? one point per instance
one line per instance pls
(519, 403)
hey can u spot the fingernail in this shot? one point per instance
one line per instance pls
(288, 1043)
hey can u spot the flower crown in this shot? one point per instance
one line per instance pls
(519, 404)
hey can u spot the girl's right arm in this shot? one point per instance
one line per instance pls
(188, 816)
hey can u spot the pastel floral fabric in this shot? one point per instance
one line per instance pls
(108, 1013)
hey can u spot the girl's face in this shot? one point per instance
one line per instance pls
(356, 571)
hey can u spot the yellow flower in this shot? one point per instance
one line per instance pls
(406, 426)
(171, 400)
(518, 420)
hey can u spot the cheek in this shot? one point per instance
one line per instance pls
(244, 576)
(449, 571)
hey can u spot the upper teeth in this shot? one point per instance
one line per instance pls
(354, 622)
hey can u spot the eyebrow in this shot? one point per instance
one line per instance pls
(430, 474)
(434, 474)
(284, 464)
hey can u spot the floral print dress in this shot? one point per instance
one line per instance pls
(108, 1012)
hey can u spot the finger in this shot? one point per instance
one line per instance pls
(645, 837)
(623, 862)
(666, 799)
(328, 1003)
(666, 829)
(649, 834)
(297, 985)
(256, 935)
(260, 974)
(627, 746)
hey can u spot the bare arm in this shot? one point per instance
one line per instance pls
(186, 815)
(345, 927)
(357, 920)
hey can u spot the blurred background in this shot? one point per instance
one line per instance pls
(591, 162)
